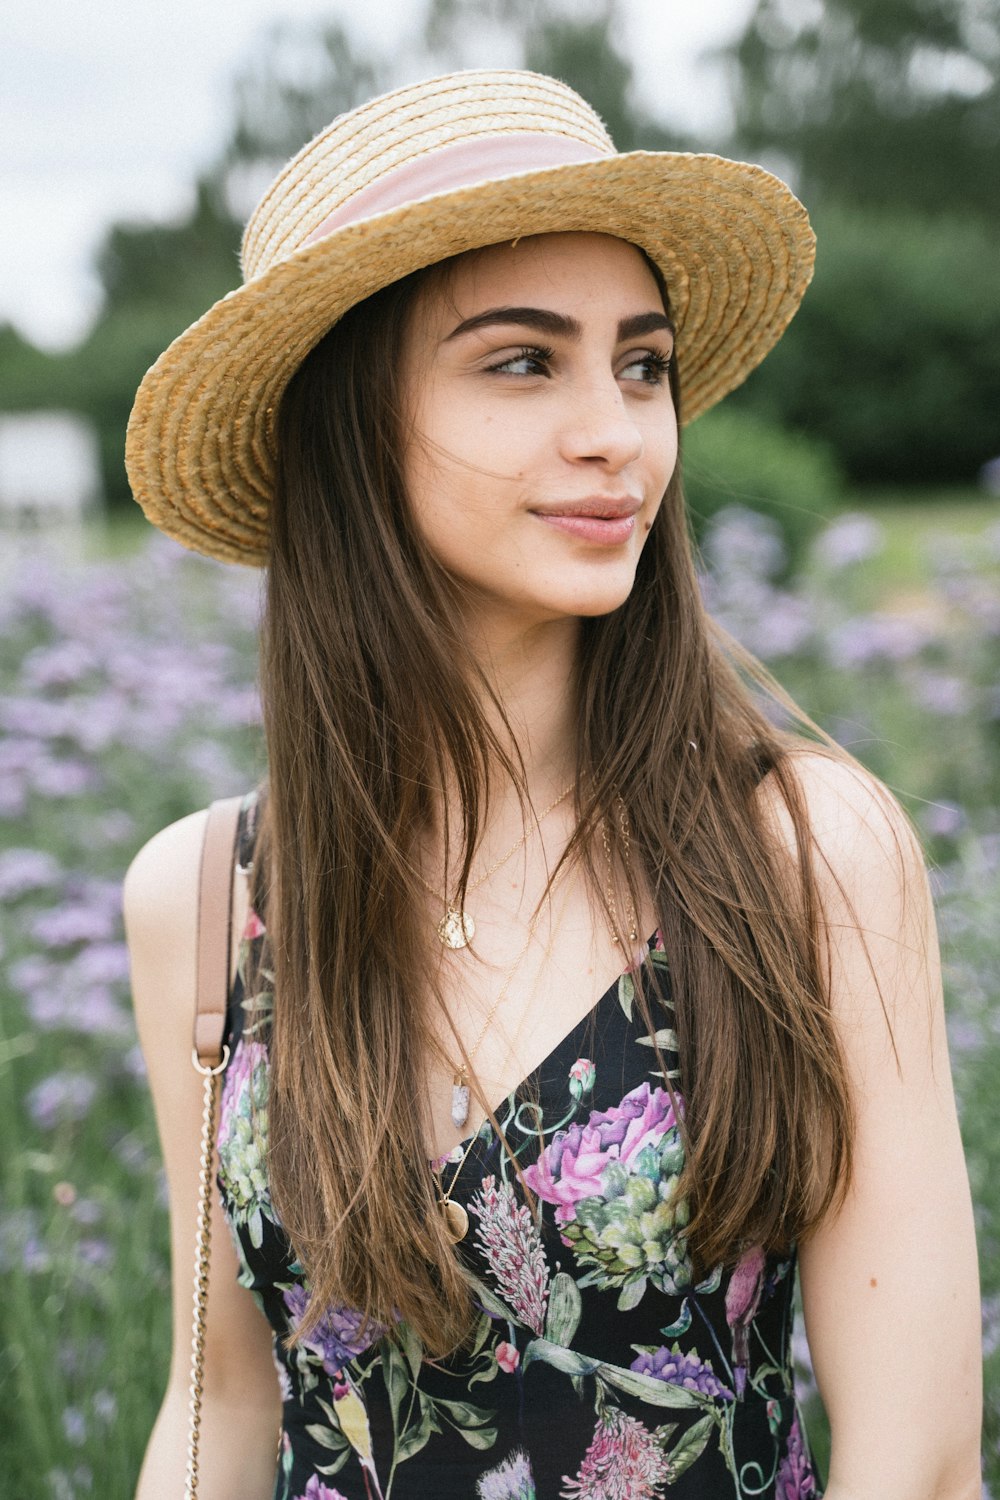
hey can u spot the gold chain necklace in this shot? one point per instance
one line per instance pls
(460, 1084)
(456, 929)
(609, 897)
(455, 1215)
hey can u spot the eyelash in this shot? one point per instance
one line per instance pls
(656, 363)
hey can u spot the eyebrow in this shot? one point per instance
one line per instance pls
(560, 325)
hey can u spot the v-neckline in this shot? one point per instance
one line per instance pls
(464, 1146)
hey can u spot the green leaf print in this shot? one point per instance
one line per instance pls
(691, 1446)
(326, 1437)
(631, 1294)
(565, 1307)
(478, 1437)
(666, 1040)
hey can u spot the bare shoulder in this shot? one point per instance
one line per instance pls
(860, 836)
(161, 882)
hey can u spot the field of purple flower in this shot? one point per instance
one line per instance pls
(127, 699)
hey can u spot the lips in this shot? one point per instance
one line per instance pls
(598, 507)
(605, 521)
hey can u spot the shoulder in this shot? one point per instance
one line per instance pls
(874, 911)
(160, 905)
(859, 837)
(163, 876)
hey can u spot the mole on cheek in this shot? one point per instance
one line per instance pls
(874, 1281)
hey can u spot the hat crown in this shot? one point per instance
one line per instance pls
(378, 138)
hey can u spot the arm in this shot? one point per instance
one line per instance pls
(241, 1406)
(890, 1281)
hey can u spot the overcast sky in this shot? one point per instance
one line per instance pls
(107, 110)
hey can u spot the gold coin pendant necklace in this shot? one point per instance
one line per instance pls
(457, 928)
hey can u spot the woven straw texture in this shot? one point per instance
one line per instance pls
(733, 243)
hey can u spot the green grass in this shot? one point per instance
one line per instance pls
(901, 572)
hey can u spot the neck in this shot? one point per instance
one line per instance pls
(533, 673)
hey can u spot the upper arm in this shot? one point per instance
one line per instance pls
(889, 1279)
(160, 902)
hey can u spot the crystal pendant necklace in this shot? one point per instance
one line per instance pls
(457, 928)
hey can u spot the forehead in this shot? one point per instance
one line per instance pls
(560, 271)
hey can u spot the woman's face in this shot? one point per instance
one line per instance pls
(543, 429)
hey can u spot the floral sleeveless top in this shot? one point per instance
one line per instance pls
(600, 1369)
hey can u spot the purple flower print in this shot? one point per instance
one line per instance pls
(686, 1370)
(511, 1480)
(572, 1167)
(743, 1296)
(339, 1336)
(795, 1476)
(509, 1240)
(317, 1490)
(624, 1462)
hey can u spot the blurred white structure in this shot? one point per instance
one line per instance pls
(49, 472)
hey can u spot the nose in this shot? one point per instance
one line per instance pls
(600, 430)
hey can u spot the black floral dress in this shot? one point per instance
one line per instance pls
(601, 1369)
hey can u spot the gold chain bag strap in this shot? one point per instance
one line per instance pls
(209, 1058)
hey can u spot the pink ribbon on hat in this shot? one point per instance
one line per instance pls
(462, 164)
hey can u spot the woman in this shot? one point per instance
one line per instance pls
(573, 996)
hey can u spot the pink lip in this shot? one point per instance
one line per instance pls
(608, 521)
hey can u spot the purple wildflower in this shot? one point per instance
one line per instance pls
(26, 870)
(74, 922)
(74, 1425)
(849, 540)
(509, 1239)
(686, 1370)
(61, 1099)
(624, 1462)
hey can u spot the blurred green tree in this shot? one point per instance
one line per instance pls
(885, 115)
(877, 102)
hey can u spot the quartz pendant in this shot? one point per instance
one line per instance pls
(456, 1220)
(459, 1104)
(456, 929)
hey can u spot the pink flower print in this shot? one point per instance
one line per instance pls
(581, 1078)
(796, 1480)
(510, 1241)
(743, 1295)
(507, 1357)
(624, 1462)
(254, 927)
(572, 1166)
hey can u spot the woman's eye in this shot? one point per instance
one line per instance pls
(525, 362)
(649, 368)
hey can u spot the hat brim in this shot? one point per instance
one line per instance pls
(733, 243)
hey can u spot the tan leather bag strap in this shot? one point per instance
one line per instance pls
(215, 923)
(215, 929)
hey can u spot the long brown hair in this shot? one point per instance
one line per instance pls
(371, 699)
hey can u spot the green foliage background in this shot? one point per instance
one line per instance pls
(883, 113)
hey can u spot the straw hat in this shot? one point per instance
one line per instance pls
(410, 178)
